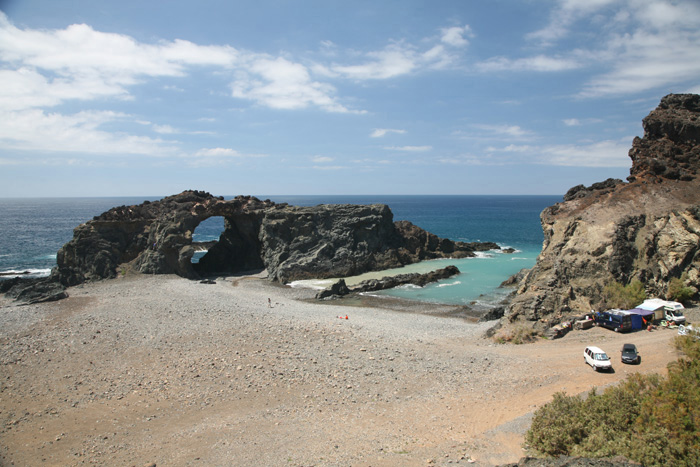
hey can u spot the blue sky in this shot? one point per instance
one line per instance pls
(104, 98)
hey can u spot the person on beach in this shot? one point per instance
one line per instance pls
(269, 303)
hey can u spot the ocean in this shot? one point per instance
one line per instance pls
(33, 229)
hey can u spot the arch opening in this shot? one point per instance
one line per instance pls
(236, 249)
(205, 236)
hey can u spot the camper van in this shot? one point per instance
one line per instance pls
(664, 309)
(613, 319)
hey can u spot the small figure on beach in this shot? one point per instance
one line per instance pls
(269, 303)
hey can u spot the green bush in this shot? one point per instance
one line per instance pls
(626, 297)
(519, 334)
(647, 418)
(678, 291)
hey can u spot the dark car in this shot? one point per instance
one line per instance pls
(630, 354)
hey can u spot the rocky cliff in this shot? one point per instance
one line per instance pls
(646, 229)
(290, 242)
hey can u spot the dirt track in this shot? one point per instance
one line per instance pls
(162, 370)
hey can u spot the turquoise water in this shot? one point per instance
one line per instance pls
(33, 229)
(477, 282)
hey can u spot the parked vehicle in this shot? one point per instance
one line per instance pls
(664, 310)
(630, 354)
(613, 319)
(596, 358)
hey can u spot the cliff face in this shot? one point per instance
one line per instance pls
(290, 242)
(647, 229)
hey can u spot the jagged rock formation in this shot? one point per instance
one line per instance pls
(291, 242)
(647, 229)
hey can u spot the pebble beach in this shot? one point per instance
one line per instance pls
(160, 370)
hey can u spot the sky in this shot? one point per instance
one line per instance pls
(277, 97)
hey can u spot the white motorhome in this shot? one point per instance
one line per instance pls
(664, 309)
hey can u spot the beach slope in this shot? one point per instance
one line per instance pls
(143, 370)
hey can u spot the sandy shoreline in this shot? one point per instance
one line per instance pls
(159, 369)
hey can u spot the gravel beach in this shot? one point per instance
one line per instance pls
(160, 370)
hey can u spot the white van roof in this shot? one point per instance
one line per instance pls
(653, 304)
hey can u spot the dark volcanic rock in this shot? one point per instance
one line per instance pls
(646, 230)
(670, 148)
(156, 238)
(33, 290)
(493, 314)
(339, 289)
(581, 191)
(292, 243)
(417, 279)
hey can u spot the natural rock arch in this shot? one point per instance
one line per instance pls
(290, 242)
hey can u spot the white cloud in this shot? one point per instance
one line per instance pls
(217, 152)
(211, 157)
(322, 159)
(572, 122)
(470, 159)
(513, 131)
(454, 36)
(600, 154)
(647, 60)
(164, 129)
(81, 63)
(79, 133)
(409, 148)
(49, 67)
(563, 16)
(400, 58)
(379, 132)
(663, 14)
(329, 167)
(395, 60)
(607, 153)
(281, 84)
(644, 44)
(540, 63)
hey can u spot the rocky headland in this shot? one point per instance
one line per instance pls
(645, 229)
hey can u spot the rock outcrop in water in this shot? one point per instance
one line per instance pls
(291, 242)
(340, 289)
(647, 229)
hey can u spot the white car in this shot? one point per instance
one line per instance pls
(596, 358)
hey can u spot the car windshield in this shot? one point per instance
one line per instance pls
(628, 348)
(601, 356)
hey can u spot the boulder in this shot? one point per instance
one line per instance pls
(339, 289)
